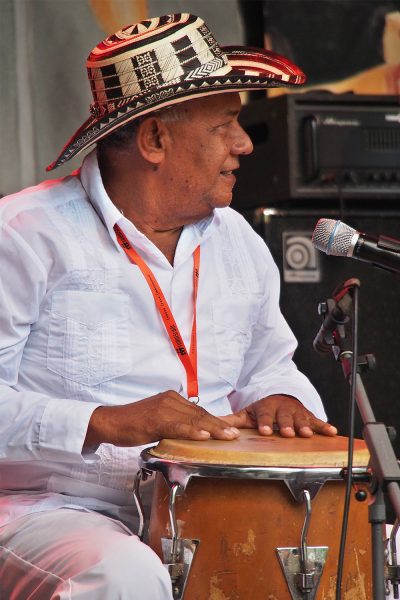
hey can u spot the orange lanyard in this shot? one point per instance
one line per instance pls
(189, 361)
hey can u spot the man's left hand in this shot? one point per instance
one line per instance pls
(281, 413)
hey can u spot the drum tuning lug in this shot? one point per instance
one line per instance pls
(392, 574)
(296, 488)
(392, 569)
(178, 553)
(303, 566)
(178, 560)
(175, 571)
(146, 473)
(141, 475)
(302, 586)
(305, 582)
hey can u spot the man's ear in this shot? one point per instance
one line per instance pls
(151, 138)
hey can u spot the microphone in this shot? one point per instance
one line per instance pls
(338, 239)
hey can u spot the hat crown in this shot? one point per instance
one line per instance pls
(151, 55)
(142, 29)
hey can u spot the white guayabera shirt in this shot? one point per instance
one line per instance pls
(79, 328)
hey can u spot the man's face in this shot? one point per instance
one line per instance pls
(204, 152)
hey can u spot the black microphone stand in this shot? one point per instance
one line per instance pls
(383, 463)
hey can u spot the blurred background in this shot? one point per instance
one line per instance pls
(329, 150)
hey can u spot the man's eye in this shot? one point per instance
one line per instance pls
(222, 127)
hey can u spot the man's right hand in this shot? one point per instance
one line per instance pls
(165, 415)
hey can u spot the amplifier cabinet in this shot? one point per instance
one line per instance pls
(320, 145)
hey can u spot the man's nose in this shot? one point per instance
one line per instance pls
(242, 143)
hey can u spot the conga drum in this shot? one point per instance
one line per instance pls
(258, 518)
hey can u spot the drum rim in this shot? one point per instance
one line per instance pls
(177, 471)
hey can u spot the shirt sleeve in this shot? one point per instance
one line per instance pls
(268, 366)
(32, 425)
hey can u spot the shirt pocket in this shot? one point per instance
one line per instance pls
(233, 322)
(88, 339)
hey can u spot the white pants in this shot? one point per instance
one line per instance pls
(70, 554)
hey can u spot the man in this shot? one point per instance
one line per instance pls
(108, 277)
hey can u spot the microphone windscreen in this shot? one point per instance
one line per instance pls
(333, 237)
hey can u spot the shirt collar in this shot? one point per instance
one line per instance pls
(93, 185)
(110, 215)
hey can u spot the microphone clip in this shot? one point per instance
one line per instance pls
(336, 314)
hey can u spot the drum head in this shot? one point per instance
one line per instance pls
(263, 451)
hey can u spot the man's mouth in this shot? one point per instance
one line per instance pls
(227, 172)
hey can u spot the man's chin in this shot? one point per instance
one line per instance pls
(222, 202)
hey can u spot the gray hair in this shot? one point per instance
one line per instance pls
(124, 136)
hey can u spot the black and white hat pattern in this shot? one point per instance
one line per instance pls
(163, 61)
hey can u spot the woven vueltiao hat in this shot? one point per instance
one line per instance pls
(163, 61)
